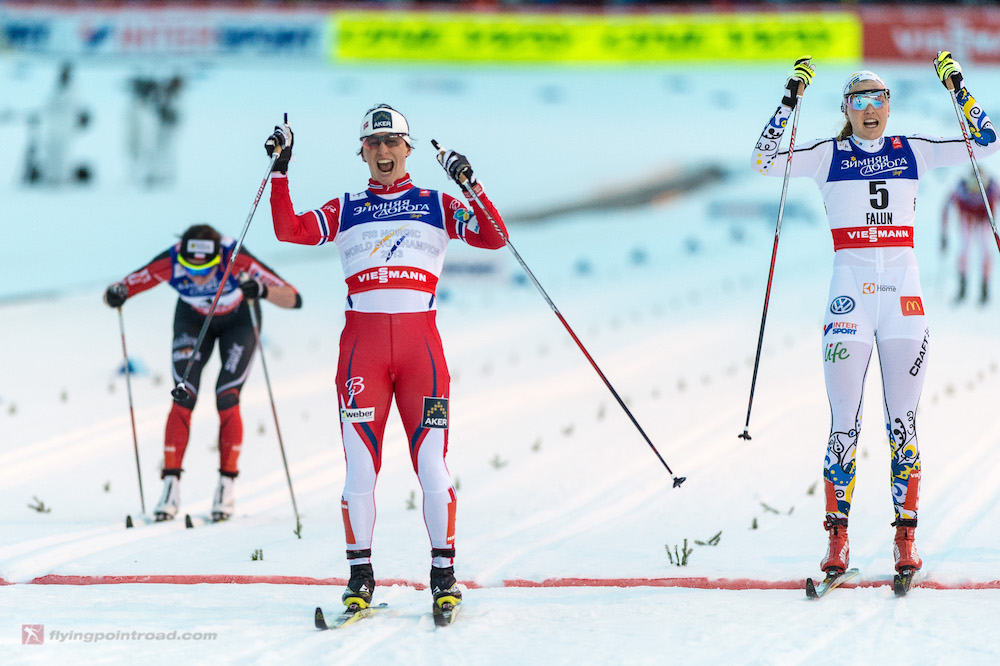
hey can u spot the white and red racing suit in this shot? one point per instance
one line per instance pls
(392, 242)
(869, 189)
(974, 222)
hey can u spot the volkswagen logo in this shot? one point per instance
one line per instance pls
(842, 305)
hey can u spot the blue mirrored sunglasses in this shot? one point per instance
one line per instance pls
(876, 98)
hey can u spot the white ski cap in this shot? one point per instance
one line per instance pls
(863, 75)
(384, 118)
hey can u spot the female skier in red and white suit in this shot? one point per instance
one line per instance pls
(392, 239)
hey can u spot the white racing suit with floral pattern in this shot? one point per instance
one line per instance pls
(869, 189)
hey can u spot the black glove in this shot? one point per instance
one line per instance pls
(282, 138)
(115, 295)
(457, 166)
(253, 287)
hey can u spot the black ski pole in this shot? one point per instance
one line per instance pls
(180, 391)
(774, 253)
(678, 480)
(252, 304)
(131, 410)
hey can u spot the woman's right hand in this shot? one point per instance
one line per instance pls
(801, 76)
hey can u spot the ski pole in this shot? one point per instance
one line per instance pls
(252, 304)
(774, 253)
(180, 391)
(975, 165)
(131, 410)
(678, 480)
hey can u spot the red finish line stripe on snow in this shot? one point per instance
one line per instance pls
(690, 583)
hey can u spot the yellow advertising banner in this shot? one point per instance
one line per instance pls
(593, 39)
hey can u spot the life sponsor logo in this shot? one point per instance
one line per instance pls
(435, 413)
(841, 305)
(874, 165)
(911, 306)
(919, 361)
(357, 415)
(835, 351)
(389, 209)
(840, 328)
(874, 287)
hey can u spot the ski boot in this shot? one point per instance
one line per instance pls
(961, 289)
(838, 553)
(224, 503)
(447, 595)
(170, 500)
(903, 547)
(360, 587)
(984, 295)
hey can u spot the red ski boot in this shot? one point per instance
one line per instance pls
(903, 547)
(838, 554)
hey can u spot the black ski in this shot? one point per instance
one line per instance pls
(903, 580)
(832, 581)
(347, 617)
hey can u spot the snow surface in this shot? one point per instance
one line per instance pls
(555, 483)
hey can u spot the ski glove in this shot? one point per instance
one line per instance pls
(115, 295)
(457, 166)
(803, 73)
(253, 287)
(282, 140)
(947, 68)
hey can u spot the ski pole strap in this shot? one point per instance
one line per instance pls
(853, 238)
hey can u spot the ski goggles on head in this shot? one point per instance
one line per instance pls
(390, 140)
(199, 269)
(859, 100)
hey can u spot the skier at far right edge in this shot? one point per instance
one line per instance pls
(869, 185)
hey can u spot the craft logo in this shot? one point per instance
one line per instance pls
(919, 361)
(911, 305)
(381, 120)
(842, 305)
(32, 634)
(354, 386)
(435, 413)
(359, 415)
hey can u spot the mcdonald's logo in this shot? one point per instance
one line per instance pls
(911, 305)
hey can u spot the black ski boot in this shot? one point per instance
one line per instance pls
(961, 289)
(360, 587)
(447, 595)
